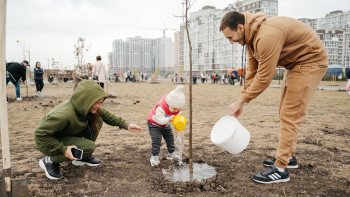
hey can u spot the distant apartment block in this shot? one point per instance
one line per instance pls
(211, 51)
(178, 68)
(142, 55)
(334, 31)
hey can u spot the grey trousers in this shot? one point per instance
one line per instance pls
(156, 133)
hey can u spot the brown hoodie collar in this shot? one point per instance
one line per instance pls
(252, 24)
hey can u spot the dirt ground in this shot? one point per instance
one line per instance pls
(323, 149)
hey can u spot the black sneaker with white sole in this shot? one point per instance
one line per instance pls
(272, 175)
(89, 161)
(293, 163)
(52, 170)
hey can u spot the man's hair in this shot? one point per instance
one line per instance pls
(232, 20)
(98, 57)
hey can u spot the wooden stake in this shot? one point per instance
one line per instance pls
(6, 160)
(190, 54)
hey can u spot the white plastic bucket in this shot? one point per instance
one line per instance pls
(230, 135)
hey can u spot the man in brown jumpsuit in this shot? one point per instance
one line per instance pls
(272, 42)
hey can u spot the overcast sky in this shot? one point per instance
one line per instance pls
(50, 28)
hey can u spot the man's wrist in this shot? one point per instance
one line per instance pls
(240, 101)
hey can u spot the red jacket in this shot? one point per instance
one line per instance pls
(164, 106)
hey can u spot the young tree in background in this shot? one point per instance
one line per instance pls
(81, 70)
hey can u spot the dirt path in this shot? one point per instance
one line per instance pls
(323, 150)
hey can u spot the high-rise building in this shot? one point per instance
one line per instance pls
(335, 20)
(311, 22)
(211, 51)
(334, 32)
(142, 55)
(177, 68)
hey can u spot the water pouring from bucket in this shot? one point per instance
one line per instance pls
(230, 135)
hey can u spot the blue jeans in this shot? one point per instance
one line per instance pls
(18, 89)
(17, 85)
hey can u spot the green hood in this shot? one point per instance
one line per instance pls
(86, 95)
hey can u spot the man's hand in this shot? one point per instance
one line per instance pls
(236, 108)
(134, 128)
(69, 154)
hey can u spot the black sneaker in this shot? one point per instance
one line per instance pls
(52, 170)
(293, 163)
(89, 160)
(272, 175)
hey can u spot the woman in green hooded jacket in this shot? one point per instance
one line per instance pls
(75, 124)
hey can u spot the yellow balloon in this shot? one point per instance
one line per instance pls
(179, 122)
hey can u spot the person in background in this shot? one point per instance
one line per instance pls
(158, 123)
(202, 77)
(272, 42)
(214, 77)
(14, 72)
(75, 123)
(99, 69)
(223, 78)
(38, 77)
(348, 85)
(80, 73)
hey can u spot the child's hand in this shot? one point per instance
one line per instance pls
(171, 118)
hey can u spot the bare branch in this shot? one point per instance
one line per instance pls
(79, 51)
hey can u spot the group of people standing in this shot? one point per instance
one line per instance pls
(224, 78)
(16, 72)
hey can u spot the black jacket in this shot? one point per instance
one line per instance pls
(38, 73)
(17, 70)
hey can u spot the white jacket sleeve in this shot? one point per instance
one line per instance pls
(160, 117)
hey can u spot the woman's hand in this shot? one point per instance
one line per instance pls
(236, 108)
(69, 154)
(134, 128)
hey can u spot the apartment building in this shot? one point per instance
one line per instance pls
(211, 51)
(334, 31)
(142, 55)
(335, 20)
(177, 67)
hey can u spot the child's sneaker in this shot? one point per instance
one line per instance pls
(154, 160)
(293, 163)
(172, 156)
(272, 175)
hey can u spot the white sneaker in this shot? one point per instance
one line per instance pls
(19, 99)
(154, 160)
(172, 156)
